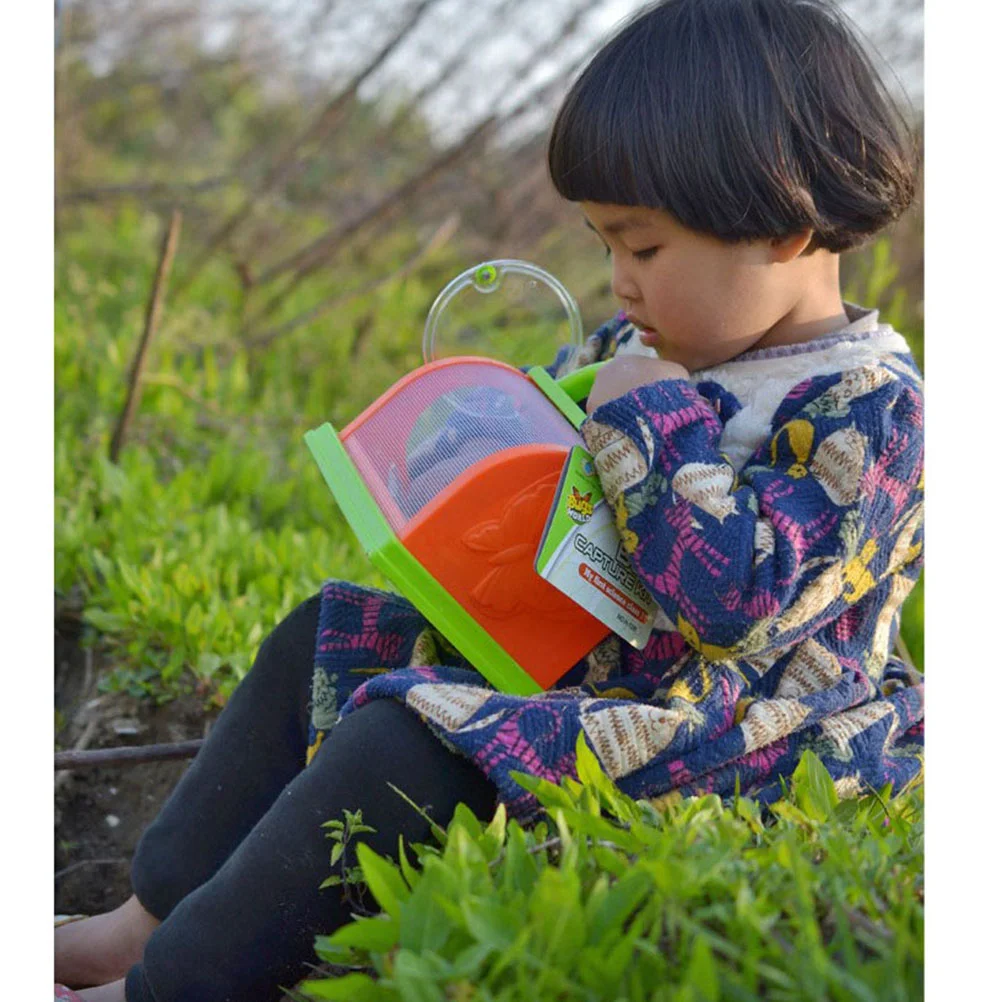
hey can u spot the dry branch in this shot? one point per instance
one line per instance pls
(253, 60)
(125, 756)
(311, 256)
(153, 310)
(112, 861)
(307, 259)
(465, 52)
(79, 748)
(901, 649)
(148, 189)
(438, 239)
(317, 130)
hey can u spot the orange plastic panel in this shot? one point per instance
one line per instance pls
(479, 539)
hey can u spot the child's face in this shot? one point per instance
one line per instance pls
(696, 300)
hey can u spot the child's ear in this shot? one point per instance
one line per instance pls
(782, 250)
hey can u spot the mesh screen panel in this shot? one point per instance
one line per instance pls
(416, 441)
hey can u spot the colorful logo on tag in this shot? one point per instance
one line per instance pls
(579, 506)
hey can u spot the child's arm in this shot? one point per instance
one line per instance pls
(628, 372)
(823, 511)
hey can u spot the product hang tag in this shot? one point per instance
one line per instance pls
(582, 555)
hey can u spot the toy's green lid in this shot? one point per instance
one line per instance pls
(508, 310)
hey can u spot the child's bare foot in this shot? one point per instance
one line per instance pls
(102, 948)
(105, 993)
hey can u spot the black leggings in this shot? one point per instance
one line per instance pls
(233, 863)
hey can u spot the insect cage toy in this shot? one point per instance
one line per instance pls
(449, 477)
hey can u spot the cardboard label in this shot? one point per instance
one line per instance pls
(582, 555)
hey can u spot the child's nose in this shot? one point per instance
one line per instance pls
(623, 286)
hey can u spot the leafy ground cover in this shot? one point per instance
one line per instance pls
(214, 523)
(608, 899)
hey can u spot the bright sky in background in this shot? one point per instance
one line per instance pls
(332, 47)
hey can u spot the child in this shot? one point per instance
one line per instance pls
(761, 442)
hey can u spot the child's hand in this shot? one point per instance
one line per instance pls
(626, 372)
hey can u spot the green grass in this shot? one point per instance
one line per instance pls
(215, 522)
(608, 899)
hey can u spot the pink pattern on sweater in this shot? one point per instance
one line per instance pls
(508, 743)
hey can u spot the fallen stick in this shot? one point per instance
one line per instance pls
(80, 748)
(133, 755)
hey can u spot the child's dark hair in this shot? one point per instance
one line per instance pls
(744, 119)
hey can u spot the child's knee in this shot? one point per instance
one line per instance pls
(385, 743)
(376, 737)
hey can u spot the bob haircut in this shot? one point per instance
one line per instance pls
(744, 119)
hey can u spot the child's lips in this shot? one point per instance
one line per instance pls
(648, 335)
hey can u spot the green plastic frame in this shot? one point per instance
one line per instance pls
(566, 393)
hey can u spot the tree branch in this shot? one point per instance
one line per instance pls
(153, 189)
(113, 861)
(153, 310)
(307, 259)
(440, 237)
(126, 756)
(287, 160)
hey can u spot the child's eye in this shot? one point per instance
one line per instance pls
(646, 254)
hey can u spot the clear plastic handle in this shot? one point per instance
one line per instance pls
(527, 315)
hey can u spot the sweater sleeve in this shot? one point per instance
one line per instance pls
(599, 345)
(749, 565)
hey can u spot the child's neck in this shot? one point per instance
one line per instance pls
(816, 309)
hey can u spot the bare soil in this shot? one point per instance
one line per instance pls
(100, 813)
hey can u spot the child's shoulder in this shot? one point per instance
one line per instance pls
(875, 381)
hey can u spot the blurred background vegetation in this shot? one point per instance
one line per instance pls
(330, 166)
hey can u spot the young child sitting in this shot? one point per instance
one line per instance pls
(761, 442)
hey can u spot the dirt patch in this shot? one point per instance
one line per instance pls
(101, 813)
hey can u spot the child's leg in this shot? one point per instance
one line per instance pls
(251, 927)
(255, 748)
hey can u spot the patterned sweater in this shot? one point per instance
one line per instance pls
(772, 506)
